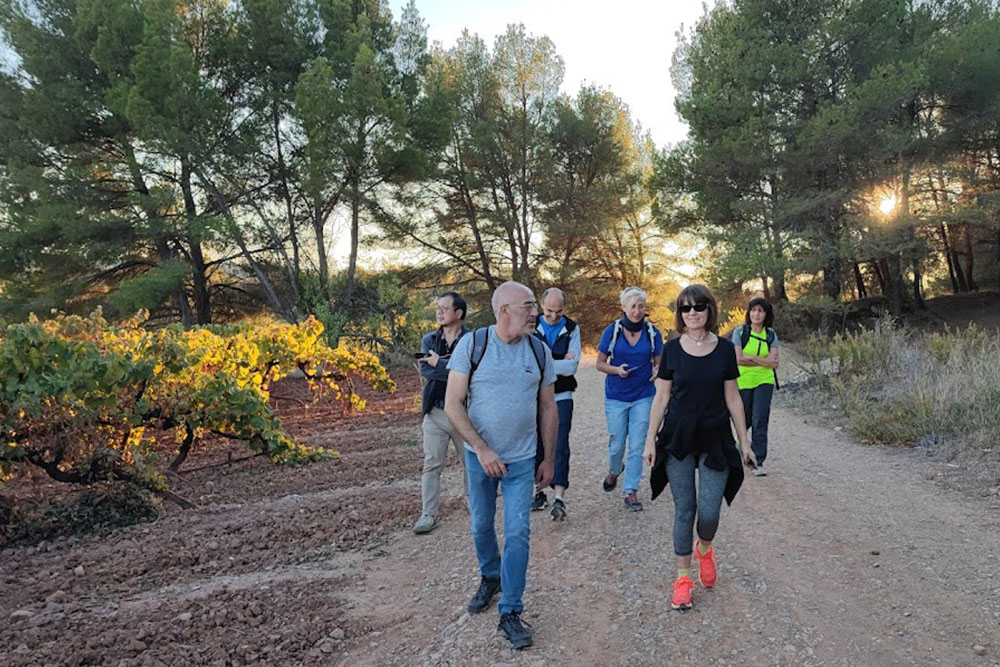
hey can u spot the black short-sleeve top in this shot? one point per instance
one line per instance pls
(697, 417)
(698, 383)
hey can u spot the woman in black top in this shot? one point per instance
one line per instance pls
(696, 397)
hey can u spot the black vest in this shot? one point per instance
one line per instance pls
(559, 351)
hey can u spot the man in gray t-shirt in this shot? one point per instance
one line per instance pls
(510, 399)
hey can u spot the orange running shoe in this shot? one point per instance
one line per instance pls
(682, 593)
(706, 565)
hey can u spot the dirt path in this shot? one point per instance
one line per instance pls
(844, 555)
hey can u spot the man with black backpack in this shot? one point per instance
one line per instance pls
(562, 335)
(500, 389)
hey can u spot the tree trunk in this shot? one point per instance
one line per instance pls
(163, 249)
(970, 258)
(894, 284)
(472, 215)
(948, 258)
(831, 279)
(880, 271)
(833, 267)
(286, 195)
(199, 287)
(859, 281)
(352, 262)
(767, 291)
(240, 240)
(918, 297)
(779, 286)
(777, 243)
(199, 281)
(319, 232)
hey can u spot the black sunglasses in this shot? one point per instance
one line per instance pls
(698, 308)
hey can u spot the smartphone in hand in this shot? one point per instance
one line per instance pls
(421, 355)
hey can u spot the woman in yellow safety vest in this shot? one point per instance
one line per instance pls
(757, 358)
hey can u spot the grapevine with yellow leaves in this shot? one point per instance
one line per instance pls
(84, 400)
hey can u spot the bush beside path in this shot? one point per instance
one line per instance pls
(843, 555)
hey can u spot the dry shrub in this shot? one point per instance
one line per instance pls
(899, 387)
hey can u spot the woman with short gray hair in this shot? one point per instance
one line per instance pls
(629, 353)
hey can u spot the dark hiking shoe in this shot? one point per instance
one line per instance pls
(558, 510)
(517, 632)
(632, 503)
(540, 502)
(488, 588)
(610, 482)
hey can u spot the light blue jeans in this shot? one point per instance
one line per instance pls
(627, 421)
(518, 488)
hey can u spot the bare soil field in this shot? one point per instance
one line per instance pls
(843, 555)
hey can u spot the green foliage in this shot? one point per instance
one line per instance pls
(804, 114)
(149, 290)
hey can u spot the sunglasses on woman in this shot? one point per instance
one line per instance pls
(698, 308)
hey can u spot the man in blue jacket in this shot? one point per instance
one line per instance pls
(438, 346)
(562, 335)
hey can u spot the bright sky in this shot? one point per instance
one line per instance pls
(623, 45)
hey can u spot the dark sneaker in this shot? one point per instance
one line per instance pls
(488, 588)
(517, 632)
(540, 502)
(610, 482)
(558, 510)
(632, 503)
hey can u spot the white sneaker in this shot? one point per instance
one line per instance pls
(425, 524)
(759, 471)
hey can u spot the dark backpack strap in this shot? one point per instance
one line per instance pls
(539, 351)
(480, 339)
(744, 336)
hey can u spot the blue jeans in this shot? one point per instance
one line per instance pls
(757, 411)
(706, 500)
(627, 421)
(518, 487)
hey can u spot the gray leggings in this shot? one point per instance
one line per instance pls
(707, 500)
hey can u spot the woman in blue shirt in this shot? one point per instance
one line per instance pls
(629, 352)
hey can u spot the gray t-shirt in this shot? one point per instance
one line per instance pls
(503, 393)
